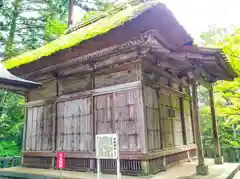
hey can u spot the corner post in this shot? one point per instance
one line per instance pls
(218, 158)
(201, 168)
(54, 120)
(24, 132)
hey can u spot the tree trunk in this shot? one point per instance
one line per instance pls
(70, 13)
(13, 25)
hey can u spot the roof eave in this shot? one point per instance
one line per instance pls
(7, 78)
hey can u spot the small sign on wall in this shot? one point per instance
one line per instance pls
(107, 147)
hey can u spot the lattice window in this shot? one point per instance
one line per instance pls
(39, 128)
(74, 125)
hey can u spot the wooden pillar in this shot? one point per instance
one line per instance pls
(24, 130)
(191, 114)
(183, 119)
(218, 158)
(144, 138)
(201, 169)
(54, 122)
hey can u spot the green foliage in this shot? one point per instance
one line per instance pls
(66, 41)
(227, 93)
(26, 25)
(11, 122)
(54, 28)
(8, 149)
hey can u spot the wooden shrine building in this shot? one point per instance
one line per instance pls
(133, 72)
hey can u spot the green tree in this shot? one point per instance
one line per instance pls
(226, 93)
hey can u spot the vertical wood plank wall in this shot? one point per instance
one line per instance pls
(74, 125)
(188, 122)
(39, 128)
(117, 112)
(152, 118)
(85, 108)
(113, 112)
(164, 110)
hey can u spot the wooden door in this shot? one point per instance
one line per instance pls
(74, 125)
(39, 128)
(117, 113)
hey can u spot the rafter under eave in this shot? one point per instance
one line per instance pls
(211, 63)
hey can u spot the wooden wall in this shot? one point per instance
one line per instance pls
(168, 123)
(46, 91)
(118, 112)
(152, 118)
(74, 125)
(188, 121)
(125, 74)
(75, 83)
(39, 128)
(79, 119)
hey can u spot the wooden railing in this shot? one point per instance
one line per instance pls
(231, 155)
(7, 162)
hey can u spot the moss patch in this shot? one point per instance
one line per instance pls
(100, 27)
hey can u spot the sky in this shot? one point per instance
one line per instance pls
(197, 15)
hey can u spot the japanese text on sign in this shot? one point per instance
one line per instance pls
(107, 146)
(60, 160)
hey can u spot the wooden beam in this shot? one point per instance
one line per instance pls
(107, 63)
(181, 55)
(127, 155)
(159, 71)
(100, 91)
(39, 102)
(90, 57)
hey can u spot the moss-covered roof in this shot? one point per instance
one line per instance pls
(99, 27)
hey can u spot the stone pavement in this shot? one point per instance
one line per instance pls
(237, 176)
(184, 171)
(187, 171)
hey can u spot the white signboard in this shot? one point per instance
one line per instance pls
(107, 147)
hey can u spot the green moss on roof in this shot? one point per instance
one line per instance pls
(100, 27)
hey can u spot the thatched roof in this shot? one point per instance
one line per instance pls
(101, 26)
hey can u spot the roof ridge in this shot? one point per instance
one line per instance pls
(114, 9)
